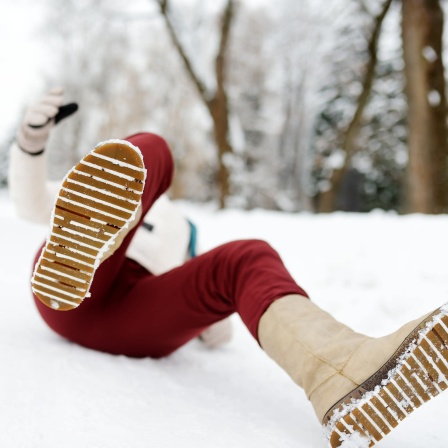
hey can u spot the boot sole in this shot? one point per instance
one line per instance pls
(98, 199)
(416, 372)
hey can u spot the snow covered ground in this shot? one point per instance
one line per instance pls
(374, 272)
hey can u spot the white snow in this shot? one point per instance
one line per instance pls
(355, 440)
(373, 272)
(429, 54)
(434, 98)
(22, 58)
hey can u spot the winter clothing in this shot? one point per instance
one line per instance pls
(166, 245)
(360, 387)
(136, 313)
(339, 368)
(39, 120)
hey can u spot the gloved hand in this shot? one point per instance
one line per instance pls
(217, 334)
(40, 119)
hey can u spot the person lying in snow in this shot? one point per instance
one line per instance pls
(98, 282)
(164, 240)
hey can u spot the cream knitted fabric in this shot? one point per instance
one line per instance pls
(39, 120)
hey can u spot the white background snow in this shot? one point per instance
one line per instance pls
(21, 56)
(374, 272)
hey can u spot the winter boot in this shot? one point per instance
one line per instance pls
(98, 204)
(360, 387)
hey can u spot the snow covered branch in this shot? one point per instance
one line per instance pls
(217, 102)
(327, 201)
(202, 90)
